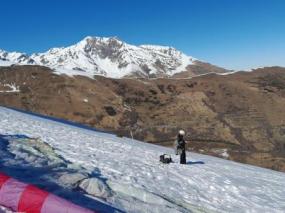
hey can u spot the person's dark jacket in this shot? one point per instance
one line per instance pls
(179, 145)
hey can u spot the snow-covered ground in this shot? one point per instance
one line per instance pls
(133, 179)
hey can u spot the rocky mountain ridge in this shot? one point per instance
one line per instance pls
(111, 57)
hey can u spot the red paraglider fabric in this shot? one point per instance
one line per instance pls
(22, 197)
(32, 200)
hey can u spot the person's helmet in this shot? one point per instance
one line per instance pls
(181, 132)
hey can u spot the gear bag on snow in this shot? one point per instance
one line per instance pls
(165, 158)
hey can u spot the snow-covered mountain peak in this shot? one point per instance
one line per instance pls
(16, 57)
(108, 56)
(111, 57)
(90, 42)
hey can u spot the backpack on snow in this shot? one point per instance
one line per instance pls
(165, 158)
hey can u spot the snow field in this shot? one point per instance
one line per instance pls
(140, 183)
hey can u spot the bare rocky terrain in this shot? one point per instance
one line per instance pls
(239, 116)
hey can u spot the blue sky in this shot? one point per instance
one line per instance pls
(236, 34)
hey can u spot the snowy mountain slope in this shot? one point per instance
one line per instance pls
(114, 58)
(5, 63)
(137, 182)
(110, 57)
(8, 58)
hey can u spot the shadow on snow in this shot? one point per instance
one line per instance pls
(195, 162)
(43, 176)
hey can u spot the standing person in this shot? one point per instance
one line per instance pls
(180, 146)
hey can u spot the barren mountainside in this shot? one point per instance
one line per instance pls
(240, 116)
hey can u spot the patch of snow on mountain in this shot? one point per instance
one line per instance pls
(12, 88)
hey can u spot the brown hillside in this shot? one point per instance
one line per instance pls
(241, 114)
